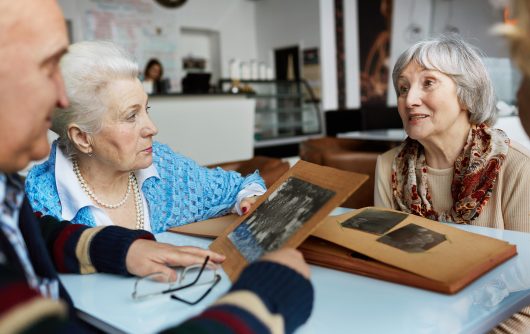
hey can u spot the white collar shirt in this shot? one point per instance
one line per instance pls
(73, 198)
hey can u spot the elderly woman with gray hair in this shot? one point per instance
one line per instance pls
(453, 166)
(105, 167)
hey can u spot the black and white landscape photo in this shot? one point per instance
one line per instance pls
(413, 238)
(281, 215)
(374, 221)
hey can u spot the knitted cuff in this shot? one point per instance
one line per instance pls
(283, 290)
(108, 248)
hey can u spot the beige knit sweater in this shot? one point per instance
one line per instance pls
(508, 207)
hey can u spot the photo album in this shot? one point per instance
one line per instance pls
(380, 243)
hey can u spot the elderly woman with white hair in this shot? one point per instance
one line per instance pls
(106, 169)
(453, 166)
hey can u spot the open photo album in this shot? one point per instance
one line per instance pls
(380, 243)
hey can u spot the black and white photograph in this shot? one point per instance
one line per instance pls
(413, 238)
(374, 221)
(281, 215)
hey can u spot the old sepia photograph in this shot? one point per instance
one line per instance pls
(412, 238)
(374, 221)
(281, 215)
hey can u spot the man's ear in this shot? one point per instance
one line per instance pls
(81, 140)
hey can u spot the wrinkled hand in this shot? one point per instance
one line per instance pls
(291, 258)
(247, 203)
(146, 257)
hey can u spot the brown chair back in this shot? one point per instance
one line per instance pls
(347, 154)
(359, 162)
(270, 169)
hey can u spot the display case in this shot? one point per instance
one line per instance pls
(286, 111)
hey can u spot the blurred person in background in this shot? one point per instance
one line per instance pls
(154, 81)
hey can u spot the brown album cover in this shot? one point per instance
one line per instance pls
(286, 214)
(209, 228)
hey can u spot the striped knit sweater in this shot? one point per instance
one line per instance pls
(268, 297)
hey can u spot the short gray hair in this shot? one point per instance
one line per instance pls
(87, 69)
(460, 61)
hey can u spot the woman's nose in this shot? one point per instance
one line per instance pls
(150, 128)
(414, 96)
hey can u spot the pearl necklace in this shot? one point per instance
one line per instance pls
(93, 196)
(133, 183)
(139, 205)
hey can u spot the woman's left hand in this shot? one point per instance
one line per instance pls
(247, 203)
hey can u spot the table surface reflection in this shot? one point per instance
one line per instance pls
(344, 303)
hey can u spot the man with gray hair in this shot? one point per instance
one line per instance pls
(32, 41)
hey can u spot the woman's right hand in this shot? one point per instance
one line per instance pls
(146, 257)
(291, 258)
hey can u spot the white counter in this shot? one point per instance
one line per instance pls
(207, 128)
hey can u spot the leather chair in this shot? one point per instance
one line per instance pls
(348, 154)
(270, 169)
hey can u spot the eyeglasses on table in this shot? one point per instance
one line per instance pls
(190, 277)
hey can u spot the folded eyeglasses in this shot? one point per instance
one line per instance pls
(158, 284)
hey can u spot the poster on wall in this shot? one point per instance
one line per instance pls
(311, 70)
(139, 27)
(374, 49)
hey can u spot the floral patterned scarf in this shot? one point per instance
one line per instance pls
(475, 173)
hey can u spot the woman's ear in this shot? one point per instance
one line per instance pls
(81, 140)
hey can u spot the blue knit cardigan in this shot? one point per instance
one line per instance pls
(184, 193)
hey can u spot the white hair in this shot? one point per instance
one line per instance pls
(87, 69)
(460, 61)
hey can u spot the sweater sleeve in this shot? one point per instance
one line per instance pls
(515, 193)
(267, 298)
(382, 186)
(77, 248)
(223, 188)
(22, 309)
(41, 189)
(212, 191)
(220, 188)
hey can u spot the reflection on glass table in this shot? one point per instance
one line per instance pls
(344, 303)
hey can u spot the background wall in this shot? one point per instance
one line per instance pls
(233, 19)
(412, 20)
(410, 24)
(328, 54)
(157, 30)
(147, 29)
(473, 19)
(252, 29)
(283, 23)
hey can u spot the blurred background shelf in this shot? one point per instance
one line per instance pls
(287, 112)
